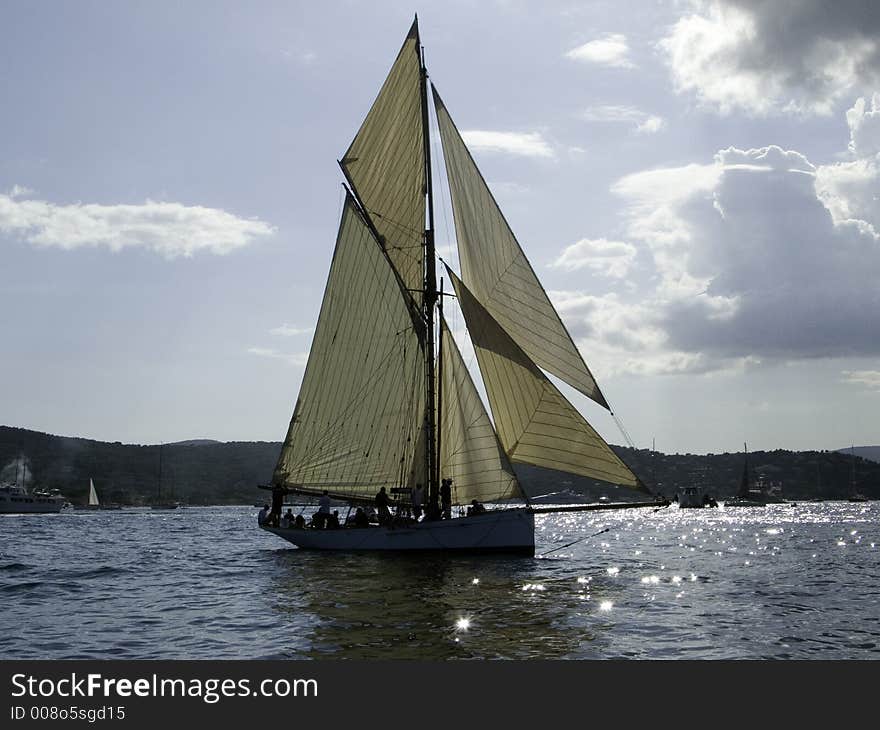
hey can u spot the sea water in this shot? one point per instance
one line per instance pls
(782, 581)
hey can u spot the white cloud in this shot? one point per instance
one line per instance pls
(527, 144)
(170, 229)
(769, 57)
(868, 378)
(651, 124)
(298, 358)
(286, 330)
(752, 264)
(851, 190)
(624, 337)
(642, 122)
(864, 126)
(610, 50)
(19, 191)
(610, 258)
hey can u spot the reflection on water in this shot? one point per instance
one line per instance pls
(780, 581)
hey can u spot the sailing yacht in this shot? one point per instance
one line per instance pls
(161, 503)
(94, 503)
(386, 399)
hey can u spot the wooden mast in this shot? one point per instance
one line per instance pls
(432, 457)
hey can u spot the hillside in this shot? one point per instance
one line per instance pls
(866, 452)
(210, 472)
(200, 472)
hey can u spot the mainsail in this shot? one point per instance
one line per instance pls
(470, 453)
(357, 421)
(536, 423)
(496, 270)
(385, 164)
(93, 495)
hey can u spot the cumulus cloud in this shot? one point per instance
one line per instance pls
(770, 56)
(642, 122)
(610, 258)
(851, 190)
(760, 257)
(526, 144)
(169, 229)
(769, 272)
(609, 50)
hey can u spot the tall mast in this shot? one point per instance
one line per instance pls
(430, 298)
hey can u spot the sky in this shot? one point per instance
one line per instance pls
(695, 183)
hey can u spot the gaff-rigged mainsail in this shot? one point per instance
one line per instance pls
(470, 452)
(359, 412)
(536, 423)
(496, 270)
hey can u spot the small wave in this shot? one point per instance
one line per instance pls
(15, 588)
(99, 572)
(14, 567)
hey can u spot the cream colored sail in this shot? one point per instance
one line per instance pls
(470, 453)
(535, 422)
(496, 270)
(93, 495)
(357, 421)
(386, 166)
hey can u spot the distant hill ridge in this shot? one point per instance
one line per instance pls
(205, 471)
(866, 452)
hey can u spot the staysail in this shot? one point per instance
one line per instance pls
(535, 422)
(93, 495)
(385, 164)
(496, 270)
(357, 421)
(470, 453)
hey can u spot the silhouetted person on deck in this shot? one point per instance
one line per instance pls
(446, 498)
(382, 506)
(476, 508)
(277, 503)
(263, 516)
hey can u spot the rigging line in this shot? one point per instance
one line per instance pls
(573, 542)
(623, 430)
(398, 224)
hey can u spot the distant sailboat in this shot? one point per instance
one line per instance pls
(160, 503)
(854, 494)
(93, 502)
(382, 404)
(759, 494)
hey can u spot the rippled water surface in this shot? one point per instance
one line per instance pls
(782, 581)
